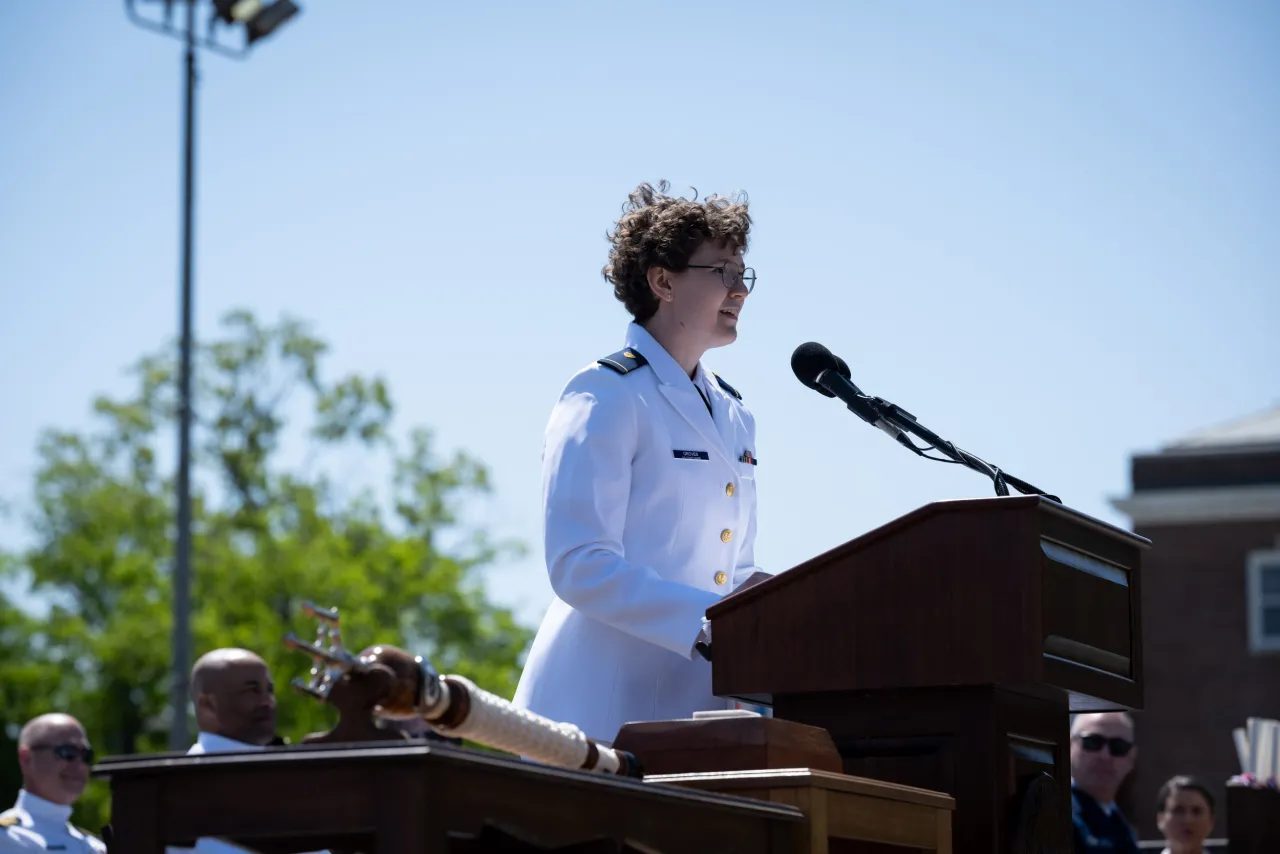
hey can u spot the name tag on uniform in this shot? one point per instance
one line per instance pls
(691, 455)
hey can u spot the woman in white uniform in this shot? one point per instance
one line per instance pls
(649, 467)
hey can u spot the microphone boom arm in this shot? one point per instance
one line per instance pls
(893, 414)
(821, 370)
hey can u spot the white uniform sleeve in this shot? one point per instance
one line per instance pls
(590, 444)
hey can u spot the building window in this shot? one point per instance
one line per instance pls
(1264, 601)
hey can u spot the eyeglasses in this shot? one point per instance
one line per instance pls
(730, 275)
(68, 752)
(1117, 746)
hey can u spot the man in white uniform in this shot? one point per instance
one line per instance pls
(54, 755)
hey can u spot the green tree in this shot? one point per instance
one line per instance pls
(399, 563)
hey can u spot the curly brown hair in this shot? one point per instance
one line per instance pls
(656, 230)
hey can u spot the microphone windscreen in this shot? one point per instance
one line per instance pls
(843, 368)
(811, 359)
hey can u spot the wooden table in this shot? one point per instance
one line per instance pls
(420, 799)
(842, 813)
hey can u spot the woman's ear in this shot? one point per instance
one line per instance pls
(660, 283)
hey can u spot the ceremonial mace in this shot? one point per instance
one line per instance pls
(409, 688)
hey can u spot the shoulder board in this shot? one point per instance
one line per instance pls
(724, 385)
(624, 361)
(9, 820)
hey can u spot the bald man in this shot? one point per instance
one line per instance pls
(54, 755)
(235, 703)
(1102, 755)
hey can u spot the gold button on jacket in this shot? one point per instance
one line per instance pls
(728, 489)
(721, 578)
(726, 535)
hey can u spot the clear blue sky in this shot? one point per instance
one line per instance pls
(1050, 232)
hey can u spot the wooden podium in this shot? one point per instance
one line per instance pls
(422, 798)
(944, 651)
(1253, 820)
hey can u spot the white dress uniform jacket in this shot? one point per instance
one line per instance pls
(34, 824)
(208, 742)
(649, 506)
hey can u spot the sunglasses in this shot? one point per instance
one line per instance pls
(68, 752)
(1117, 746)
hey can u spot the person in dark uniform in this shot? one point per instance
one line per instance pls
(1102, 755)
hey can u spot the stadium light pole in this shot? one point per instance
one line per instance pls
(259, 20)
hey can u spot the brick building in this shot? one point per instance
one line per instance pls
(1210, 503)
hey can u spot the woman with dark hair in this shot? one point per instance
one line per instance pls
(649, 467)
(1184, 814)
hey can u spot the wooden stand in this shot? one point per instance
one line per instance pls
(945, 649)
(421, 799)
(354, 697)
(727, 744)
(1253, 820)
(843, 814)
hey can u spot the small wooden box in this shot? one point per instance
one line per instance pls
(842, 813)
(743, 742)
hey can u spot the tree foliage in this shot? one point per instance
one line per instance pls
(268, 533)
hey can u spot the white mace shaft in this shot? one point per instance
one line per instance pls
(494, 722)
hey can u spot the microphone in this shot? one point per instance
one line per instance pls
(826, 373)
(841, 367)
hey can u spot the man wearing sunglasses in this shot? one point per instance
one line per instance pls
(54, 755)
(1102, 755)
